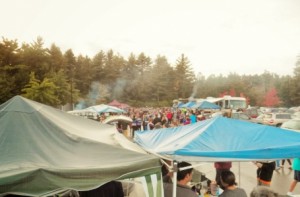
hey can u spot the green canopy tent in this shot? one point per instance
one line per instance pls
(46, 151)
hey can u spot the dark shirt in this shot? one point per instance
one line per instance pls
(266, 171)
(156, 120)
(111, 189)
(222, 165)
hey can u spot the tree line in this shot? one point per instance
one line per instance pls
(55, 78)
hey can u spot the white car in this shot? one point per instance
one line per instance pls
(293, 124)
(296, 115)
(276, 119)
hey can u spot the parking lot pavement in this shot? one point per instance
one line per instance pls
(246, 176)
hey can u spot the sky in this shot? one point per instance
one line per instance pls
(217, 36)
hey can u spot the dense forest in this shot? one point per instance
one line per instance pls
(55, 78)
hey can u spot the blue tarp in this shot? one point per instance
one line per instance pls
(220, 139)
(180, 104)
(188, 104)
(205, 105)
(105, 109)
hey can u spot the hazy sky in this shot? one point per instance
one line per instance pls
(218, 36)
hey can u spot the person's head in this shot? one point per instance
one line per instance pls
(263, 191)
(158, 126)
(186, 173)
(227, 178)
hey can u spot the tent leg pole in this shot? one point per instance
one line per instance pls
(175, 169)
(239, 173)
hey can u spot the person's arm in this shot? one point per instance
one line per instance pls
(258, 164)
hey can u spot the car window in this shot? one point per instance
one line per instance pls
(235, 116)
(244, 117)
(283, 116)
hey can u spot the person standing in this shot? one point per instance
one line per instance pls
(187, 121)
(193, 117)
(156, 119)
(289, 161)
(296, 168)
(264, 172)
(220, 167)
(228, 183)
(277, 167)
(150, 125)
(134, 126)
(169, 116)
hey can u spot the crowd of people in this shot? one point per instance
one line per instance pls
(156, 118)
(225, 180)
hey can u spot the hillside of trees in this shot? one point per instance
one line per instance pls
(55, 78)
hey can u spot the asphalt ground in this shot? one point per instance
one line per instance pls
(245, 173)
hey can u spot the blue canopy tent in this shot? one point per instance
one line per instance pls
(188, 104)
(105, 109)
(205, 105)
(221, 139)
(180, 104)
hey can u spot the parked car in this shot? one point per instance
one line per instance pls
(252, 112)
(259, 119)
(276, 119)
(293, 124)
(296, 115)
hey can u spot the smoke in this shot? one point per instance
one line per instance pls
(99, 93)
(81, 105)
(94, 93)
(196, 85)
(194, 91)
(118, 89)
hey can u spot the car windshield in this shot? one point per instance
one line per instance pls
(238, 104)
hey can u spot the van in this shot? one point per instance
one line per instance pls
(276, 119)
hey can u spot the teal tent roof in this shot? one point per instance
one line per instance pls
(44, 150)
(188, 104)
(221, 139)
(105, 109)
(205, 105)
